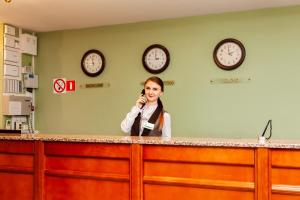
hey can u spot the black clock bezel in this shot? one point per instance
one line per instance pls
(103, 62)
(229, 67)
(165, 50)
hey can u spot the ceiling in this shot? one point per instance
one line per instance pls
(51, 15)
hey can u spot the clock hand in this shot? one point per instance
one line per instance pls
(230, 53)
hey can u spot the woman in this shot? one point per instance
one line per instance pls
(147, 117)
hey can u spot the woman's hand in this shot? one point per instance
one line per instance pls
(141, 101)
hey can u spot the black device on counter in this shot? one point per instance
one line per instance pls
(268, 124)
(9, 132)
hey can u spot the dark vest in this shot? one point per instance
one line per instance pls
(157, 130)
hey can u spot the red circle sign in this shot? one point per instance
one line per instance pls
(59, 85)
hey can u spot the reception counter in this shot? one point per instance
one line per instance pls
(47, 166)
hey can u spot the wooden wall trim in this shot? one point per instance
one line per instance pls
(188, 182)
(262, 168)
(286, 189)
(39, 175)
(20, 170)
(136, 172)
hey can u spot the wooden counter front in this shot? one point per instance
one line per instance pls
(58, 170)
(194, 173)
(285, 174)
(17, 170)
(86, 171)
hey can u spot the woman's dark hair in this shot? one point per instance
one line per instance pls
(157, 80)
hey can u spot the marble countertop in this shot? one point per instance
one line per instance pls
(209, 142)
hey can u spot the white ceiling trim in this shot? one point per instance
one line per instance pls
(51, 15)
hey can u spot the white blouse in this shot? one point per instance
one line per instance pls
(146, 113)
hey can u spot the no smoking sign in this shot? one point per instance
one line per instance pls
(61, 85)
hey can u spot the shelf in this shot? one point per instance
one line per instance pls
(12, 36)
(16, 94)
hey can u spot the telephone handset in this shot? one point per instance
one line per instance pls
(143, 93)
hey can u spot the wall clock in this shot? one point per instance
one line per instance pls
(93, 63)
(229, 54)
(156, 58)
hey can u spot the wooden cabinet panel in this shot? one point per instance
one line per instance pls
(19, 147)
(154, 192)
(99, 165)
(16, 170)
(17, 156)
(87, 149)
(286, 158)
(16, 186)
(285, 174)
(87, 171)
(12, 161)
(199, 171)
(242, 156)
(60, 188)
(176, 172)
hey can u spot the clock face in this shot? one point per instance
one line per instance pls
(93, 63)
(229, 54)
(156, 58)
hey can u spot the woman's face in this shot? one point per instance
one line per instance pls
(152, 91)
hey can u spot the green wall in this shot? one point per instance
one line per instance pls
(198, 108)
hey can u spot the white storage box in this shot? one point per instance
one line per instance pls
(30, 81)
(16, 105)
(10, 41)
(11, 70)
(10, 30)
(28, 44)
(12, 55)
